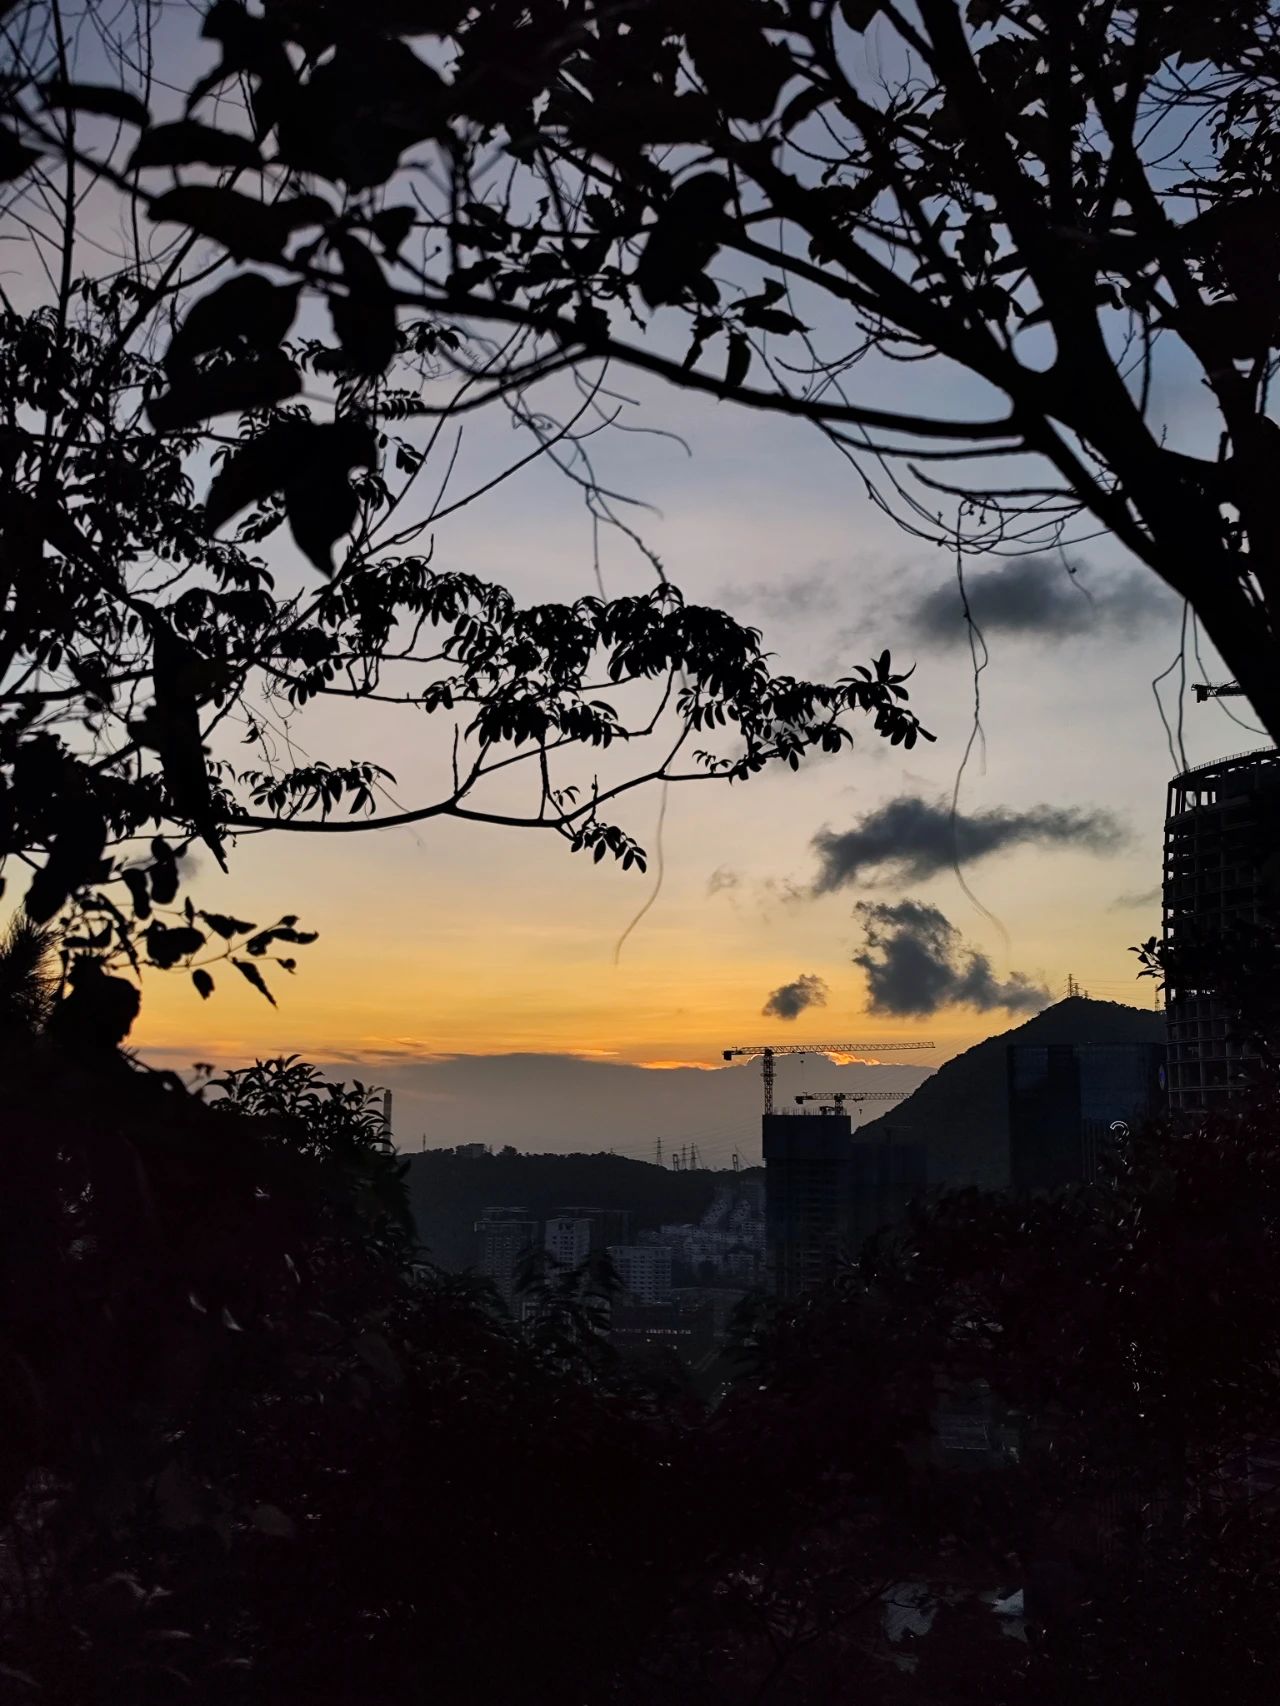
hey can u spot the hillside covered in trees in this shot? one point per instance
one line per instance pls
(447, 1192)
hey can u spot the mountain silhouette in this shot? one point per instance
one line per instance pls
(961, 1113)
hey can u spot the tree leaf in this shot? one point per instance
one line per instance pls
(320, 503)
(99, 98)
(264, 465)
(771, 320)
(591, 323)
(800, 106)
(166, 946)
(255, 977)
(203, 982)
(259, 944)
(188, 143)
(247, 309)
(270, 1519)
(249, 229)
(365, 318)
(743, 70)
(859, 14)
(683, 239)
(320, 512)
(419, 17)
(182, 680)
(739, 361)
(135, 881)
(164, 873)
(15, 157)
(391, 226)
(256, 383)
(72, 861)
(373, 1349)
(222, 924)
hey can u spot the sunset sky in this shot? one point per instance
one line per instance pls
(454, 940)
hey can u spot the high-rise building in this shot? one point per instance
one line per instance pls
(505, 1237)
(825, 1194)
(883, 1179)
(1222, 837)
(1067, 1101)
(568, 1240)
(608, 1225)
(644, 1269)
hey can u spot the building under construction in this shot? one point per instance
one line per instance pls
(826, 1194)
(1222, 837)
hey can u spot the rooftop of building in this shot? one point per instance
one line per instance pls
(1219, 778)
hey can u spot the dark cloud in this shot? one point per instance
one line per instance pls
(909, 839)
(789, 1000)
(1038, 597)
(916, 962)
(722, 878)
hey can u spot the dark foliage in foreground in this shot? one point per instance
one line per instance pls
(253, 1448)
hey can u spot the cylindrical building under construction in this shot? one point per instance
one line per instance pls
(1221, 871)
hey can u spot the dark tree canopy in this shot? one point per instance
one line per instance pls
(256, 1448)
(776, 200)
(166, 408)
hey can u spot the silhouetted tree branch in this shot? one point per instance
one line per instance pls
(1052, 202)
(166, 410)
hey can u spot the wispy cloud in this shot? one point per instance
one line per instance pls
(724, 879)
(783, 889)
(796, 598)
(916, 963)
(1135, 902)
(909, 839)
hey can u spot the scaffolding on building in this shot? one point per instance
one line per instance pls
(1221, 829)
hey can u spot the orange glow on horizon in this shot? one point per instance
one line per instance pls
(678, 1065)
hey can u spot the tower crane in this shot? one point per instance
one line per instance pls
(833, 1101)
(839, 1097)
(767, 1053)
